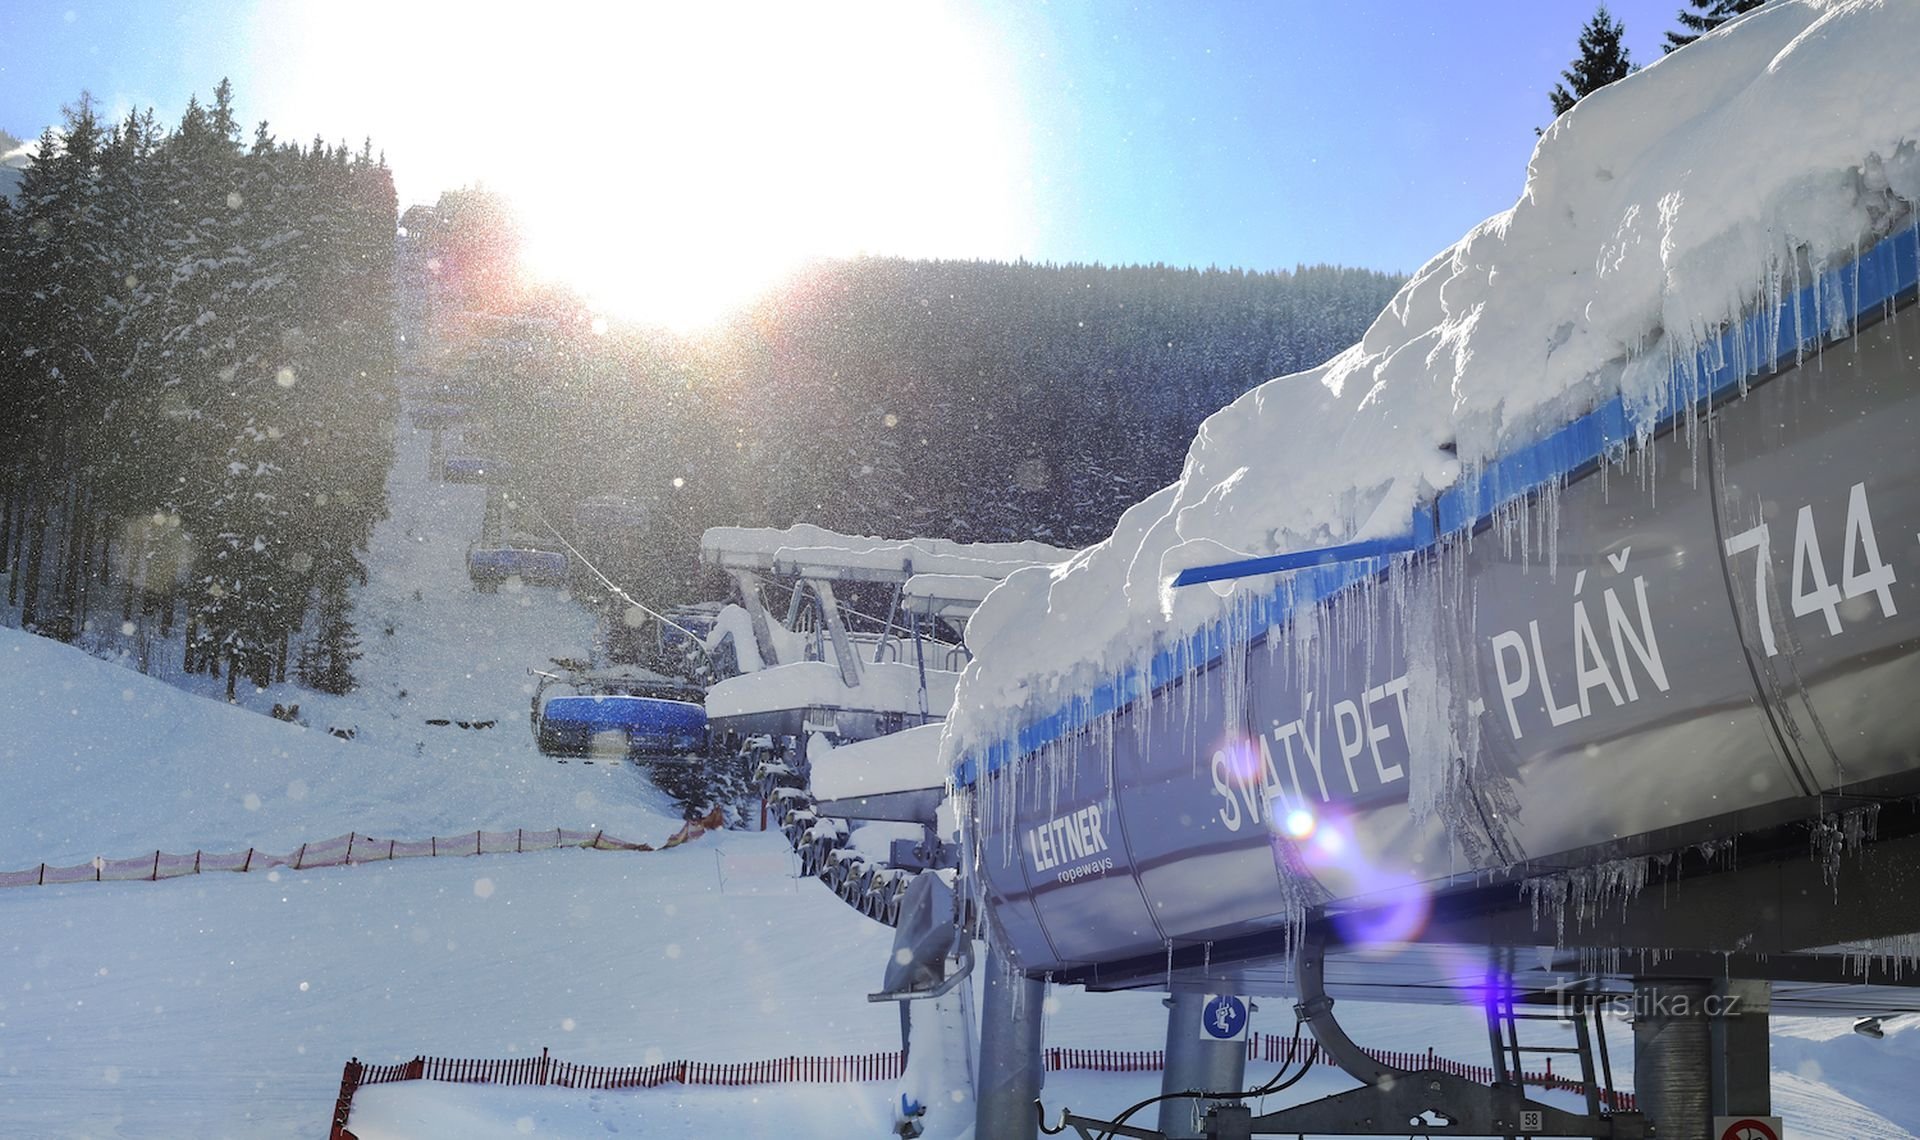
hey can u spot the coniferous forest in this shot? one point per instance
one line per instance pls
(197, 377)
(978, 401)
(197, 362)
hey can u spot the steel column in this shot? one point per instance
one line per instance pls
(1195, 1063)
(1672, 1057)
(1742, 1053)
(1010, 1073)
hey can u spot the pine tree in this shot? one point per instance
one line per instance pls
(326, 661)
(196, 358)
(1703, 16)
(1603, 59)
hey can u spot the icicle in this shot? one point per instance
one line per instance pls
(1833, 836)
(1588, 890)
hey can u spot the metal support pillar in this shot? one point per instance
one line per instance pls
(1742, 1052)
(1672, 1057)
(843, 652)
(1195, 1063)
(749, 585)
(1010, 1072)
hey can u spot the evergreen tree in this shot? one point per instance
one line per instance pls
(196, 358)
(1603, 59)
(1703, 16)
(326, 661)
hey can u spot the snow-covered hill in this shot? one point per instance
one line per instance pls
(96, 759)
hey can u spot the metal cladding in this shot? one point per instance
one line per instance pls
(1616, 646)
(582, 725)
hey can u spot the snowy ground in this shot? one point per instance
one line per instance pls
(225, 1006)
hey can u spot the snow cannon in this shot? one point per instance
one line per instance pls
(1606, 693)
(490, 567)
(474, 469)
(614, 724)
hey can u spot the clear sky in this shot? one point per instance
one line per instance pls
(668, 157)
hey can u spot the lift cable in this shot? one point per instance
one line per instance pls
(609, 583)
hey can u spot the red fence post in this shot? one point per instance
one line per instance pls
(343, 1106)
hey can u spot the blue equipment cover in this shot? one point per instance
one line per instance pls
(532, 567)
(441, 415)
(575, 725)
(473, 469)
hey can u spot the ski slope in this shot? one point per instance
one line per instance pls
(97, 760)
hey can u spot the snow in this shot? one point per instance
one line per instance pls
(1657, 210)
(733, 619)
(227, 1006)
(947, 595)
(98, 760)
(765, 548)
(888, 686)
(904, 761)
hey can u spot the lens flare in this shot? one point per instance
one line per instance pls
(1299, 824)
(1326, 844)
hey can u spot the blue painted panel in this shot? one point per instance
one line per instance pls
(576, 724)
(473, 469)
(533, 567)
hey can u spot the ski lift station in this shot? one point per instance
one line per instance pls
(1552, 650)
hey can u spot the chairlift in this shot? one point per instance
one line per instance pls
(473, 469)
(491, 566)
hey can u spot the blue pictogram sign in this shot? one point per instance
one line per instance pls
(1223, 1018)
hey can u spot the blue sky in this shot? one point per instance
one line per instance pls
(1261, 135)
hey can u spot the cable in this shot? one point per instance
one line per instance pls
(1273, 1086)
(610, 583)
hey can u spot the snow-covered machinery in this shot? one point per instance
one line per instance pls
(1507, 757)
(624, 711)
(837, 714)
(490, 567)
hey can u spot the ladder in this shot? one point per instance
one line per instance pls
(1578, 1007)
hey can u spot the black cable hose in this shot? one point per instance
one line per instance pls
(1273, 1086)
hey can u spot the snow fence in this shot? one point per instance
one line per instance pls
(340, 851)
(544, 1070)
(1271, 1048)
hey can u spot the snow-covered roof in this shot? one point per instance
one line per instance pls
(884, 687)
(815, 552)
(902, 762)
(1654, 212)
(946, 595)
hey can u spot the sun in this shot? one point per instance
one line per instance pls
(670, 161)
